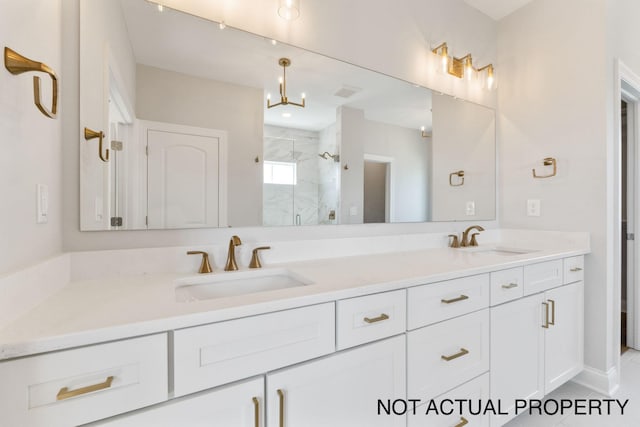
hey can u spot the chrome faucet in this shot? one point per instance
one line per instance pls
(231, 256)
(465, 236)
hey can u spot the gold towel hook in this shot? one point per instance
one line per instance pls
(459, 174)
(92, 134)
(18, 64)
(548, 161)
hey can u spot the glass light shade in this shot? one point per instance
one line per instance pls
(289, 9)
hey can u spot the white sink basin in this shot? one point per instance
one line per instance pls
(496, 250)
(220, 285)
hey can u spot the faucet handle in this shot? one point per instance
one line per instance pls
(454, 242)
(205, 266)
(255, 258)
(473, 241)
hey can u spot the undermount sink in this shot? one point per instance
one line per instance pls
(497, 250)
(230, 284)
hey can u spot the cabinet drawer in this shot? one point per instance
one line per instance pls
(474, 391)
(506, 285)
(444, 300)
(77, 386)
(542, 276)
(573, 269)
(443, 356)
(211, 355)
(369, 318)
(227, 406)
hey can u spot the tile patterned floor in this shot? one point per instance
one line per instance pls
(629, 389)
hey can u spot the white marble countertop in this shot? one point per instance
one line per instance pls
(98, 310)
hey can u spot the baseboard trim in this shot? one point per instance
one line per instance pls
(603, 382)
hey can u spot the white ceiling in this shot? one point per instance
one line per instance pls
(186, 44)
(497, 9)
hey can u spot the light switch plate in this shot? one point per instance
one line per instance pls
(353, 211)
(471, 208)
(533, 207)
(42, 204)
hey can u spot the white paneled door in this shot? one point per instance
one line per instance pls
(186, 181)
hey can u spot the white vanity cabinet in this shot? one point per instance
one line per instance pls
(341, 390)
(236, 405)
(536, 342)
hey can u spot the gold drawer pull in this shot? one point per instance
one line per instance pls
(256, 411)
(546, 315)
(377, 319)
(510, 286)
(451, 301)
(281, 397)
(463, 422)
(575, 269)
(462, 352)
(553, 312)
(65, 393)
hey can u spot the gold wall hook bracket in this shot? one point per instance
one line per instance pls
(459, 174)
(92, 134)
(548, 161)
(18, 64)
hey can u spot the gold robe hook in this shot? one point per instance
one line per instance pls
(92, 134)
(18, 64)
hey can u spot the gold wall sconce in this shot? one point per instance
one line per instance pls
(18, 64)
(284, 63)
(92, 134)
(424, 133)
(548, 161)
(463, 67)
(459, 174)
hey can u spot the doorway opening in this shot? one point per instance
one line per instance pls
(628, 216)
(377, 189)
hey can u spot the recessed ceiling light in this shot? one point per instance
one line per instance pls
(286, 115)
(160, 8)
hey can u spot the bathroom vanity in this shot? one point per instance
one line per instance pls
(491, 322)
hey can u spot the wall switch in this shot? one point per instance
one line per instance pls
(471, 208)
(353, 211)
(42, 204)
(533, 207)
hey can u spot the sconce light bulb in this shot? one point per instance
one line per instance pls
(160, 8)
(422, 129)
(303, 95)
(468, 68)
(280, 79)
(269, 96)
(274, 42)
(490, 78)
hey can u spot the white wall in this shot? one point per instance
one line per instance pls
(30, 142)
(170, 97)
(553, 102)
(409, 169)
(463, 138)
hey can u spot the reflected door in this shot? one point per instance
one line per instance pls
(184, 179)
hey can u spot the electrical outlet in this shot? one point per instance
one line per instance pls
(471, 208)
(533, 207)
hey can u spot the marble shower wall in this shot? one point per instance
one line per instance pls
(292, 204)
(329, 182)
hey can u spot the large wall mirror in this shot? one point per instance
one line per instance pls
(179, 133)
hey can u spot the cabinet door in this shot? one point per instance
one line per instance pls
(564, 338)
(238, 405)
(340, 390)
(517, 354)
